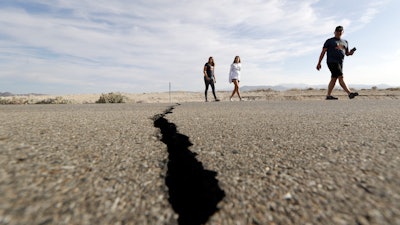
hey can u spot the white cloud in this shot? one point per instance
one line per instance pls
(142, 45)
(372, 9)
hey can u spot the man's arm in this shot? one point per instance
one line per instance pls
(351, 52)
(321, 56)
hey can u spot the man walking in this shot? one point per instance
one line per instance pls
(337, 48)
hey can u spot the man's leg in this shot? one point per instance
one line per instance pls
(343, 85)
(331, 86)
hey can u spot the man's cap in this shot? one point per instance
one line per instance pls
(338, 28)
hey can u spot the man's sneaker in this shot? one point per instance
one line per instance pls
(217, 100)
(330, 97)
(353, 94)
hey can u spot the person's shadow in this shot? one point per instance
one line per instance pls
(193, 191)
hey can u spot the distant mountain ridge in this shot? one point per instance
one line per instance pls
(9, 94)
(5, 94)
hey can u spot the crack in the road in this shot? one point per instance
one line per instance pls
(193, 191)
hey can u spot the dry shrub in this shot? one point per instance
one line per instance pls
(263, 90)
(111, 98)
(13, 101)
(393, 89)
(56, 100)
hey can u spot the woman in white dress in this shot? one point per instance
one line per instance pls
(234, 76)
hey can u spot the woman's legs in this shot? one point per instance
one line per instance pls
(207, 83)
(213, 89)
(236, 89)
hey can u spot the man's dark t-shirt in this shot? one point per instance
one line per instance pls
(337, 49)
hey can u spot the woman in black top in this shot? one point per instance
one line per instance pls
(209, 77)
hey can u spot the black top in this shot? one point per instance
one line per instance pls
(209, 70)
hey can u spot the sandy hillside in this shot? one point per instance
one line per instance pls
(183, 96)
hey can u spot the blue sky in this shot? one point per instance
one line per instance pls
(135, 46)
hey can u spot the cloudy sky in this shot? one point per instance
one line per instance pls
(135, 46)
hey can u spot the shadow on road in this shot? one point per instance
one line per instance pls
(193, 191)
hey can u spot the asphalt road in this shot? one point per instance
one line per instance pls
(252, 162)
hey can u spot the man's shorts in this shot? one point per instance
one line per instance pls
(336, 69)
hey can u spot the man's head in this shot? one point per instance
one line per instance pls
(338, 31)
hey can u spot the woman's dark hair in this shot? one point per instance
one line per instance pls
(235, 59)
(211, 59)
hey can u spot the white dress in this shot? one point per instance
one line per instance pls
(234, 73)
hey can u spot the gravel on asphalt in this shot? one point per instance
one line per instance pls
(272, 162)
